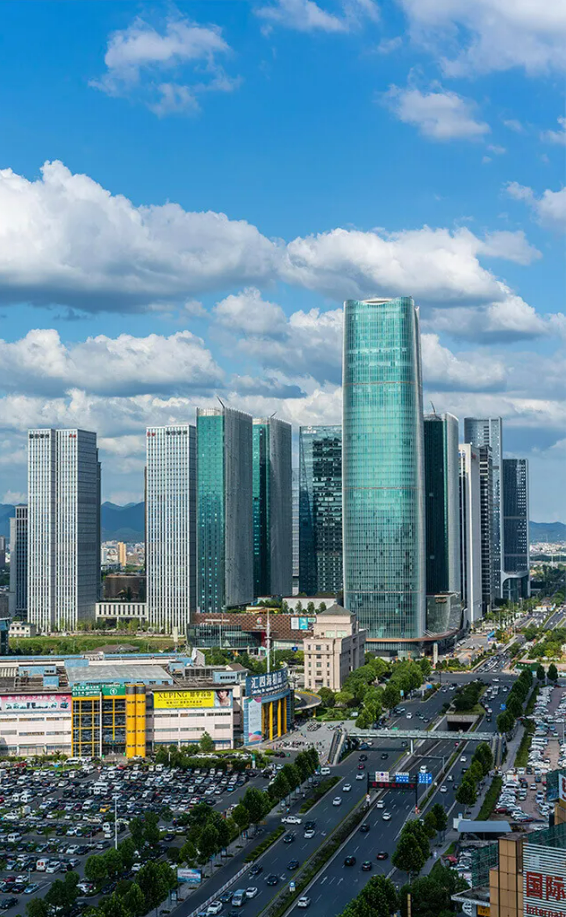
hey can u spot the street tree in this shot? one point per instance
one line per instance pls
(466, 794)
(408, 856)
(541, 674)
(207, 744)
(255, 803)
(552, 672)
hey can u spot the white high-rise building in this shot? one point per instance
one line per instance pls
(63, 528)
(18, 595)
(171, 527)
(470, 533)
(488, 431)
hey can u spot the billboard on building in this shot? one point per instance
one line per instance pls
(178, 700)
(87, 689)
(562, 789)
(301, 623)
(266, 684)
(544, 881)
(189, 876)
(34, 703)
(254, 733)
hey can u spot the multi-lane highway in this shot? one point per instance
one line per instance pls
(343, 882)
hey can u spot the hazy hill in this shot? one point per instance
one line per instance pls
(547, 531)
(119, 523)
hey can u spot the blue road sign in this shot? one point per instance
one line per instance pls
(503, 706)
(425, 778)
(401, 778)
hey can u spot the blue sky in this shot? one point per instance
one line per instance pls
(189, 191)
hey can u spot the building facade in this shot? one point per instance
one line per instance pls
(470, 534)
(383, 471)
(488, 431)
(272, 507)
(18, 598)
(320, 510)
(171, 527)
(486, 525)
(225, 569)
(516, 541)
(63, 528)
(295, 494)
(442, 510)
(335, 649)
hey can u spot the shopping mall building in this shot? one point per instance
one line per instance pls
(96, 705)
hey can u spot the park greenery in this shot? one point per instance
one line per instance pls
(515, 702)
(375, 687)
(377, 899)
(480, 766)
(550, 644)
(413, 847)
(467, 696)
(431, 896)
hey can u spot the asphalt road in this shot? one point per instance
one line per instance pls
(382, 835)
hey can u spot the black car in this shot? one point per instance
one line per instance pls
(272, 880)
(7, 903)
(367, 866)
(364, 828)
(310, 825)
(289, 838)
(225, 897)
(256, 870)
(293, 864)
(363, 758)
(350, 861)
(382, 855)
(384, 756)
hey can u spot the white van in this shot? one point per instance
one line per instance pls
(41, 865)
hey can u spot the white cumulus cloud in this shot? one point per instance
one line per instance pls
(308, 16)
(438, 114)
(556, 136)
(549, 208)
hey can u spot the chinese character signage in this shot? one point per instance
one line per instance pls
(266, 684)
(189, 876)
(562, 788)
(34, 703)
(425, 778)
(183, 700)
(382, 776)
(254, 730)
(301, 623)
(402, 777)
(544, 881)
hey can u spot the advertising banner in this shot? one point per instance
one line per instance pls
(544, 881)
(34, 703)
(254, 733)
(382, 776)
(301, 623)
(179, 700)
(266, 684)
(189, 876)
(86, 689)
(562, 788)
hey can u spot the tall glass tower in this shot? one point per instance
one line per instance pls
(488, 431)
(224, 509)
(272, 507)
(320, 510)
(383, 469)
(516, 528)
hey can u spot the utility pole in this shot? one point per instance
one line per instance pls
(268, 641)
(115, 823)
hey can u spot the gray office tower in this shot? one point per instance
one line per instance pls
(225, 565)
(18, 595)
(272, 507)
(488, 431)
(170, 538)
(516, 580)
(470, 528)
(295, 487)
(383, 472)
(442, 523)
(320, 510)
(63, 528)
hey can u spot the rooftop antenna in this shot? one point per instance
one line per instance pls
(431, 404)
(221, 402)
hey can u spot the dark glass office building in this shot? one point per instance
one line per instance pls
(272, 507)
(320, 510)
(516, 528)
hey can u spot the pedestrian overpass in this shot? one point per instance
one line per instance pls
(420, 735)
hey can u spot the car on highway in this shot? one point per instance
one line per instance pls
(422, 768)
(256, 870)
(463, 759)
(7, 903)
(367, 866)
(361, 766)
(363, 758)
(386, 816)
(409, 716)
(384, 756)
(382, 855)
(380, 804)
(293, 864)
(337, 801)
(360, 776)
(309, 832)
(291, 820)
(251, 892)
(349, 861)
(364, 828)
(443, 788)
(346, 788)
(289, 838)
(272, 879)
(214, 908)
(304, 901)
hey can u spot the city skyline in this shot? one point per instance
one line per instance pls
(148, 265)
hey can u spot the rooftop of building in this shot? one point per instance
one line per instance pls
(108, 673)
(334, 610)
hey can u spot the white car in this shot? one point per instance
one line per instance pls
(214, 908)
(347, 788)
(304, 901)
(309, 833)
(337, 801)
(251, 892)
(360, 776)
(380, 804)
(463, 759)
(443, 788)
(386, 816)
(423, 768)
(409, 716)
(291, 820)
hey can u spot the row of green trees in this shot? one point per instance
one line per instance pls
(480, 766)
(467, 696)
(515, 702)
(378, 899)
(413, 848)
(150, 887)
(62, 894)
(431, 896)
(552, 673)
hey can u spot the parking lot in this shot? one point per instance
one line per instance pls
(52, 819)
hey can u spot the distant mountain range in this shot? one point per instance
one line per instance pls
(119, 523)
(126, 523)
(547, 531)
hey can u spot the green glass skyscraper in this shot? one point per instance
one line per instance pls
(272, 507)
(383, 471)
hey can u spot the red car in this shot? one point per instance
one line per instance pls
(361, 767)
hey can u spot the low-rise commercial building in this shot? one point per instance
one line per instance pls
(336, 648)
